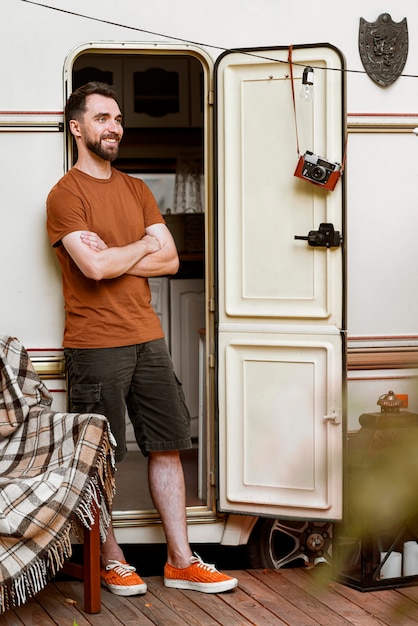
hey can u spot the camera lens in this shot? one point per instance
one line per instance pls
(318, 173)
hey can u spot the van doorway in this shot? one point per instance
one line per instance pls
(161, 97)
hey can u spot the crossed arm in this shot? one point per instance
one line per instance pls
(153, 255)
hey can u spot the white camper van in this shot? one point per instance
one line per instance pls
(295, 305)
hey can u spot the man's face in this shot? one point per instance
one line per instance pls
(101, 128)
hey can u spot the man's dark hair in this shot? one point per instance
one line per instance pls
(76, 104)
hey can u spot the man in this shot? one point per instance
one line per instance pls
(109, 237)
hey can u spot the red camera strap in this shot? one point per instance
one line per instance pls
(289, 59)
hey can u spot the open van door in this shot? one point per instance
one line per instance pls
(280, 299)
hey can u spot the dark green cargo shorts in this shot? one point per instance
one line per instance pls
(138, 381)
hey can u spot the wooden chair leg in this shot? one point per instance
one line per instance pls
(89, 572)
(91, 556)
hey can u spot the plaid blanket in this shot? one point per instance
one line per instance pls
(56, 469)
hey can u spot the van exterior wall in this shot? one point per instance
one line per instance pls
(31, 303)
(381, 173)
(38, 39)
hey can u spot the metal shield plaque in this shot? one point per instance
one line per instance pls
(383, 47)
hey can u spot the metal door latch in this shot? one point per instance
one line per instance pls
(333, 417)
(325, 237)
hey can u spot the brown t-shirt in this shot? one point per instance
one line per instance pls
(110, 312)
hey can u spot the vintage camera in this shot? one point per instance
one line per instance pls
(318, 171)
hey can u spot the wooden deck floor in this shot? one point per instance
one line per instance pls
(264, 598)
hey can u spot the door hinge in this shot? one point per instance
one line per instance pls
(211, 98)
(211, 360)
(212, 479)
(211, 304)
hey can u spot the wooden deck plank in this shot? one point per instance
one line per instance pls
(247, 606)
(125, 610)
(215, 606)
(154, 608)
(263, 598)
(326, 591)
(409, 592)
(187, 608)
(201, 609)
(54, 603)
(280, 607)
(11, 619)
(34, 613)
(401, 603)
(374, 605)
(320, 613)
(74, 591)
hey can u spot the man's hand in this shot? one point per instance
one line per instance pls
(153, 242)
(92, 240)
(161, 260)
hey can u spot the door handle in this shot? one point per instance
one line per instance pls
(326, 237)
(333, 418)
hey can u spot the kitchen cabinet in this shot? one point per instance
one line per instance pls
(153, 91)
(187, 308)
(104, 69)
(160, 299)
(156, 92)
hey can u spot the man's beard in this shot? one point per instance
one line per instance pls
(109, 153)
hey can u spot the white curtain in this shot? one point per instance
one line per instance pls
(188, 186)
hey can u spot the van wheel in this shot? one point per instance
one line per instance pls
(274, 544)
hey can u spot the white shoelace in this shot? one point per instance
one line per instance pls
(197, 560)
(123, 569)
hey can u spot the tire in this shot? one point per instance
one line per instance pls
(275, 544)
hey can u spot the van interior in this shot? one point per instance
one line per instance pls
(161, 98)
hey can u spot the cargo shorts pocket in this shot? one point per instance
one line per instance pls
(85, 398)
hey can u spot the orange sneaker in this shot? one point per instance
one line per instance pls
(120, 579)
(199, 576)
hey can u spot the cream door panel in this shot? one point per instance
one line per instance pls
(267, 272)
(281, 442)
(280, 300)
